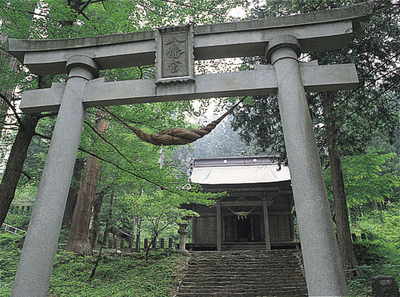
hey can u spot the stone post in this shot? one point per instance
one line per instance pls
(137, 246)
(36, 262)
(170, 243)
(323, 267)
(182, 239)
(219, 225)
(162, 243)
(145, 244)
(384, 286)
(154, 245)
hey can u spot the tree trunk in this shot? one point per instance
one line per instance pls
(15, 163)
(343, 235)
(13, 66)
(98, 202)
(109, 218)
(78, 237)
(104, 242)
(73, 192)
(18, 155)
(131, 239)
(138, 230)
(3, 114)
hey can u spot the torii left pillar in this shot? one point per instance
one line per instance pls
(37, 258)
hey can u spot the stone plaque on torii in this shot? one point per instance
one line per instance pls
(281, 40)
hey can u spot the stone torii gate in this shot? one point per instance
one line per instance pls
(281, 40)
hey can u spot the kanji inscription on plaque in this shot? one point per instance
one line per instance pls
(174, 55)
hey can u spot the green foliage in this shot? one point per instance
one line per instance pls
(27, 189)
(383, 225)
(370, 252)
(379, 253)
(63, 235)
(9, 240)
(373, 107)
(375, 257)
(20, 221)
(9, 255)
(161, 210)
(366, 179)
(128, 165)
(117, 274)
(68, 19)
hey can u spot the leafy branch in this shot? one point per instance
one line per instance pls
(118, 167)
(8, 102)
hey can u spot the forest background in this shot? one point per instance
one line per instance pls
(120, 178)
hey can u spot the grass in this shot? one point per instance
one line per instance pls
(117, 275)
(129, 274)
(9, 256)
(375, 258)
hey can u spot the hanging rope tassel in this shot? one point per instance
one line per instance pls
(241, 214)
(176, 136)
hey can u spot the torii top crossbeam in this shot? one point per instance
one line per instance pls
(318, 31)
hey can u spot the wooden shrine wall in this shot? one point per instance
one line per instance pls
(204, 228)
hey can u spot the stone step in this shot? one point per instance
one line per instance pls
(240, 289)
(243, 273)
(287, 266)
(224, 295)
(262, 275)
(228, 260)
(253, 291)
(226, 282)
(233, 276)
(248, 270)
(243, 294)
(240, 263)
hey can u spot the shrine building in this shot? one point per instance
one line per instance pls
(255, 213)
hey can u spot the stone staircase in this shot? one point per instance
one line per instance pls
(243, 273)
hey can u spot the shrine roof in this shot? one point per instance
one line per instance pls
(238, 170)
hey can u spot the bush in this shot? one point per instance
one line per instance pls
(9, 255)
(369, 252)
(376, 252)
(117, 275)
(20, 221)
(63, 235)
(375, 258)
(9, 240)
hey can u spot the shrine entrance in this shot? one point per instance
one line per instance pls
(256, 212)
(243, 229)
(247, 229)
(280, 40)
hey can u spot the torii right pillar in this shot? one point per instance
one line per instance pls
(322, 263)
